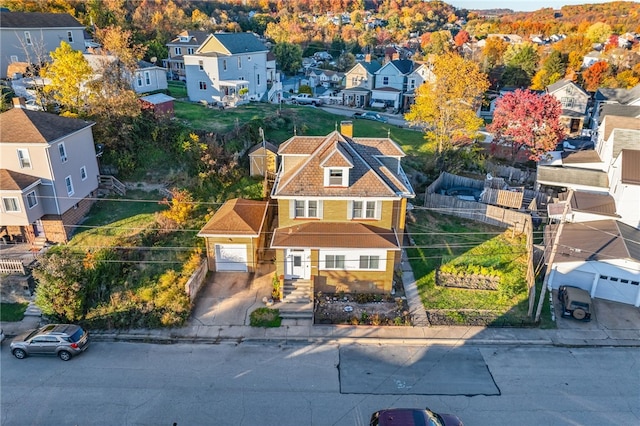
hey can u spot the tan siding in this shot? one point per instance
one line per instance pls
(353, 281)
(279, 262)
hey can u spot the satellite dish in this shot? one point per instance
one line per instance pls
(154, 59)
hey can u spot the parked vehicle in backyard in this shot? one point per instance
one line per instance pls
(306, 99)
(412, 417)
(33, 105)
(370, 115)
(575, 302)
(61, 340)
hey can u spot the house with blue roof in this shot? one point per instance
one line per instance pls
(391, 83)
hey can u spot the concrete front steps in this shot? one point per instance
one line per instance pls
(297, 300)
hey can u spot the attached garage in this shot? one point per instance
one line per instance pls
(602, 257)
(235, 236)
(231, 257)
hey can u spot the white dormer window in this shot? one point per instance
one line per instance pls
(334, 176)
(184, 39)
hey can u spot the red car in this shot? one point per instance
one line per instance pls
(412, 417)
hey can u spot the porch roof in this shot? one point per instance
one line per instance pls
(234, 83)
(15, 181)
(323, 235)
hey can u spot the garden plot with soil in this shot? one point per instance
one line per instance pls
(363, 309)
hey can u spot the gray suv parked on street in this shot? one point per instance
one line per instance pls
(62, 340)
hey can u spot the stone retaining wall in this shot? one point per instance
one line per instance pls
(473, 282)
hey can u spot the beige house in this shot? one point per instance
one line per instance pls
(235, 235)
(341, 211)
(574, 100)
(48, 175)
(186, 43)
(358, 82)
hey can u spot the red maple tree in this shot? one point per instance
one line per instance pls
(594, 75)
(527, 121)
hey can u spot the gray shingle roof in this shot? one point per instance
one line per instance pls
(38, 20)
(240, 42)
(621, 96)
(563, 176)
(632, 111)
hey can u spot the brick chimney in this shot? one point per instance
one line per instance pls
(346, 128)
(367, 57)
(19, 102)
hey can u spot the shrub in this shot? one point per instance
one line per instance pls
(265, 317)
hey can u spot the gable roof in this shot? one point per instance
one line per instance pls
(597, 240)
(268, 145)
(237, 217)
(630, 173)
(404, 66)
(335, 235)
(371, 67)
(15, 181)
(196, 38)
(20, 125)
(562, 84)
(625, 139)
(371, 174)
(26, 20)
(233, 43)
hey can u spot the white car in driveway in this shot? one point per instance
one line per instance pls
(33, 105)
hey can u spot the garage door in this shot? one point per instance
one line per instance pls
(231, 257)
(580, 279)
(617, 289)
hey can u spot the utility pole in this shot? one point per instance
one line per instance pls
(552, 255)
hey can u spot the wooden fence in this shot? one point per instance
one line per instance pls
(11, 266)
(493, 215)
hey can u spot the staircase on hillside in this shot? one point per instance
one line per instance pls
(296, 303)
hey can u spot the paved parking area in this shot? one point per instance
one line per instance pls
(229, 297)
(606, 315)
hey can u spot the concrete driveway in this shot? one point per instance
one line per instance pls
(606, 315)
(229, 297)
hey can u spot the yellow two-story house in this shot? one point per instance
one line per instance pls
(341, 211)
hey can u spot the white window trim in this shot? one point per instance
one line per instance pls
(190, 51)
(177, 50)
(83, 171)
(147, 78)
(70, 36)
(201, 65)
(239, 62)
(35, 199)
(68, 182)
(345, 176)
(202, 84)
(21, 159)
(377, 212)
(27, 38)
(63, 152)
(139, 75)
(352, 259)
(15, 200)
(292, 209)
(14, 58)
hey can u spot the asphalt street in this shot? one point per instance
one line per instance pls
(269, 384)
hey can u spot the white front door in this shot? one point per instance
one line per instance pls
(298, 264)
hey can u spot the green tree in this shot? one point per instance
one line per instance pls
(598, 32)
(446, 108)
(67, 73)
(523, 56)
(288, 56)
(60, 290)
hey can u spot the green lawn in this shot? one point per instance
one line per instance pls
(112, 220)
(177, 89)
(442, 239)
(12, 312)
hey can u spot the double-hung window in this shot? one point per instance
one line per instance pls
(203, 85)
(23, 158)
(69, 185)
(27, 38)
(32, 200)
(190, 50)
(364, 210)
(306, 208)
(201, 65)
(70, 36)
(63, 152)
(147, 78)
(177, 50)
(334, 261)
(335, 177)
(10, 204)
(369, 262)
(239, 62)
(139, 78)
(83, 173)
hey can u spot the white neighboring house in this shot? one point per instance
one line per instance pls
(391, 83)
(149, 78)
(225, 64)
(574, 100)
(146, 78)
(36, 35)
(601, 257)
